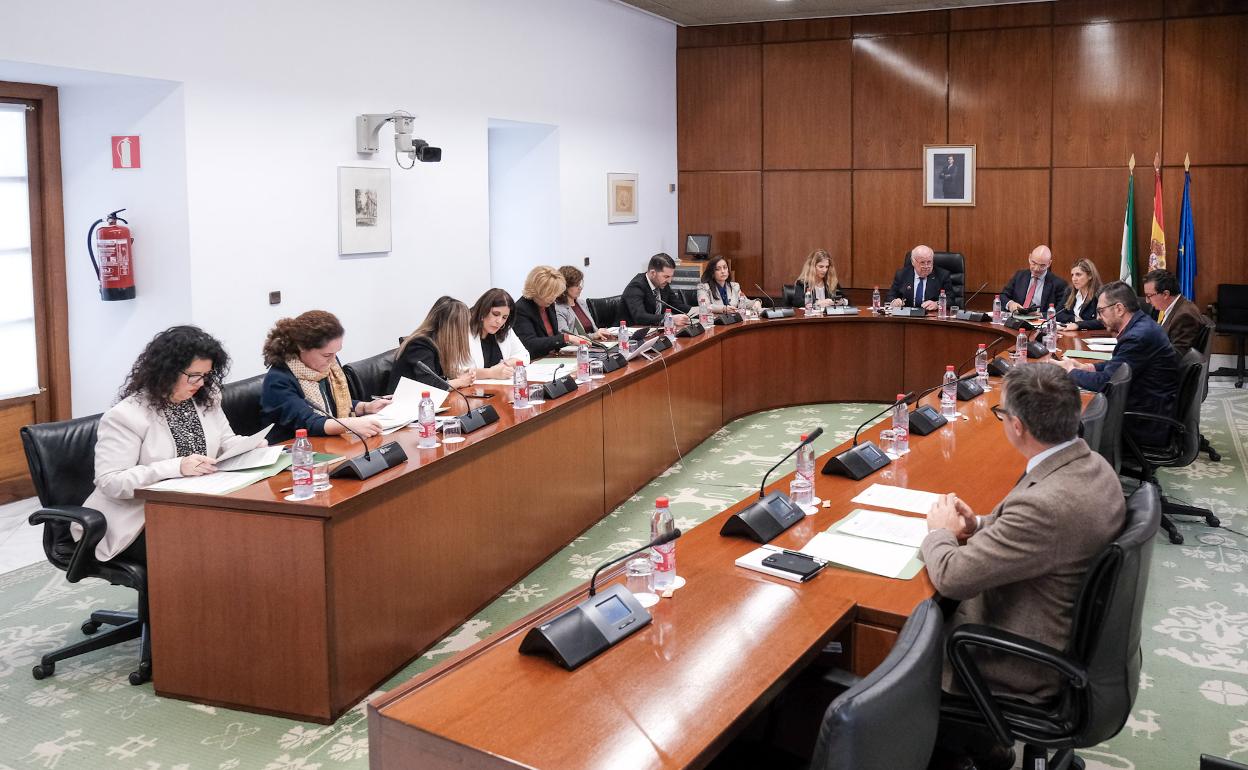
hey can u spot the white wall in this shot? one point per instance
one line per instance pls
(268, 100)
(524, 200)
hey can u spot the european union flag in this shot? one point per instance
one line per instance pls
(1187, 243)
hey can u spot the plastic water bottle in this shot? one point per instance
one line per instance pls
(582, 362)
(1050, 327)
(663, 557)
(623, 338)
(981, 366)
(669, 325)
(704, 312)
(875, 300)
(806, 472)
(942, 306)
(520, 385)
(427, 422)
(810, 303)
(901, 425)
(1020, 347)
(997, 320)
(301, 465)
(949, 394)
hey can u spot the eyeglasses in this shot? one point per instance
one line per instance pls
(195, 379)
(1102, 308)
(1148, 295)
(1000, 412)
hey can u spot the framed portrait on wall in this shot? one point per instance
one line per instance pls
(363, 210)
(948, 175)
(621, 198)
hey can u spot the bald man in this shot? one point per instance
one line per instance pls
(1035, 287)
(918, 284)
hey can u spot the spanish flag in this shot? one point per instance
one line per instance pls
(1157, 244)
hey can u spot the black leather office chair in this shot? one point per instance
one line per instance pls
(61, 456)
(860, 728)
(1181, 448)
(606, 311)
(955, 263)
(1204, 344)
(789, 291)
(1092, 421)
(241, 403)
(688, 297)
(1115, 392)
(370, 377)
(1208, 762)
(1230, 314)
(1100, 665)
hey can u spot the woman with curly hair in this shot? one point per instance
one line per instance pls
(168, 423)
(305, 384)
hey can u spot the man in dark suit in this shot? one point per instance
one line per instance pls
(641, 295)
(951, 179)
(1035, 287)
(1179, 317)
(1022, 566)
(919, 283)
(1144, 347)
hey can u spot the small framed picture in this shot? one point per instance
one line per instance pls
(948, 175)
(621, 198)
(363, 210)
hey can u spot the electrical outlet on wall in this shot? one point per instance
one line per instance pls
(587, 262)
(275, 298)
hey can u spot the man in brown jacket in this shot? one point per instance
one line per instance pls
(1178, 315)
(1021, 567)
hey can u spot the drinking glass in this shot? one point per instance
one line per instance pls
(536, 395)
(595, 369)
(953, 312)
(320, 476)
(888, 442)
(452, 432)
(639, 579)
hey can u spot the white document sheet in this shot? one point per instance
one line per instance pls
(404, 406)
(243, 447)
(1105, 341)
(874, 556)
(255, 458)
(540, 371)
(219, 483)
(887, 527)
(898, 498)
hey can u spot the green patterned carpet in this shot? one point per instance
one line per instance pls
(1192, 699)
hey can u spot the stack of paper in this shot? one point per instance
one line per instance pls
(404, 406)
(223, 482)
(884, 544)
(540, 371)
(897, 498)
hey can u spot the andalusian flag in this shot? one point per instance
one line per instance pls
(1126, 270)
(1157, 244)
(1187, 240)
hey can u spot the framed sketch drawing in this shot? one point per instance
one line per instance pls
(363, 210)
(621, 198)
(948, 175)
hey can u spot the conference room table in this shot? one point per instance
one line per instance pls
(303, 608)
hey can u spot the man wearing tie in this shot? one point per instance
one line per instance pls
(1179, 317)
(1035, 287)
(641, 298)
(919, 283)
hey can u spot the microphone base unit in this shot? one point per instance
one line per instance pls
(968, 389)
(560, 386)
(764, 519)
(971, 315)
(925, 420)
(382, 458)
(692, 329)
(613, 361)
(778, 312)
(909, 312)
(727, 319)
(476, 419)
(857, 462)
(588, 629)
(997, 367)
(1017, 323)
(661, 344)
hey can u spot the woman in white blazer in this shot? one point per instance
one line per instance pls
(492, 343)
(571, 311)
(720, 293)
(168, 424)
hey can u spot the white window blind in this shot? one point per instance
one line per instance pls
(20, 374)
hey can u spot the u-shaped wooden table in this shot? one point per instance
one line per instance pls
(302, 609)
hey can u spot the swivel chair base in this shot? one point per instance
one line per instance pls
(127, 626)
(1036, 758)
(1169, 508)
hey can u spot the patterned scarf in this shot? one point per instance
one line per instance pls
(310, 383)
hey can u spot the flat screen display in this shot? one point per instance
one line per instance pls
(871, 453)
(697, 245)
(613, 609)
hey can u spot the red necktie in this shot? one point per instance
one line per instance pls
(1031, 292)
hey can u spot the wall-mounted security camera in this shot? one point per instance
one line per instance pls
(368, 128)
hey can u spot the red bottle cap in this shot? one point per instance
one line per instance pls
(301, 433)
(803, 437)
(661, 502)
(982, 346)
(900, 396)
(424, 394)
(877, 287)
(949, 368)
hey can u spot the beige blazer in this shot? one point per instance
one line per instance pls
(736, 300)
(134, 448)
(1023, 569)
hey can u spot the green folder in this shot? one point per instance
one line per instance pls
(1095, 355)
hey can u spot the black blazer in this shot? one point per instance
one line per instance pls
(799, 295)
(282, 403)
(420, 349)
(532, 333)
(903, 285)
(1087, 314)
(1053, 293)
(640, 306)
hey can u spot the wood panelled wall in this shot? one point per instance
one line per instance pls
(809, 134)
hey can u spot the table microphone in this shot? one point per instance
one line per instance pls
(388, 455)
(660, 540)
(771, 514)
(766, 295)
(908, 398)
(472, 419)
(425, 368)
(348, 428)
(966, 314)
(691, 329)
(774, 312)
(810, 439)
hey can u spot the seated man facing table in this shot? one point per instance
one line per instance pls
(641, 297)
(1022, 566)
(1179, 317)
(1035, 287)
(919, 284)
(1145, 348)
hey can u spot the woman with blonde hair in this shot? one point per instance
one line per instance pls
(440, 343)
(1080, 309)
(305, 385)
(537, 324)
(818, 276)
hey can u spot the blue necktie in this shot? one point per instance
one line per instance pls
(918, 292)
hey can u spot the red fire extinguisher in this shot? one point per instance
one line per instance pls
(115, 268)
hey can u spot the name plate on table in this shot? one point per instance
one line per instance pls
(589, 628)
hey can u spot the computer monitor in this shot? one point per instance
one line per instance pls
(697, 246)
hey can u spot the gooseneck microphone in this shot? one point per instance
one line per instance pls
(425, 368)
(967, 303)
(366, 465)
(765, 295)
(810, 438)
(660, 540)
(671, 307)
(905, 399)
(367, 457)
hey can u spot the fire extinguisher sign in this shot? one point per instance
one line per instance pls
(126, 152)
